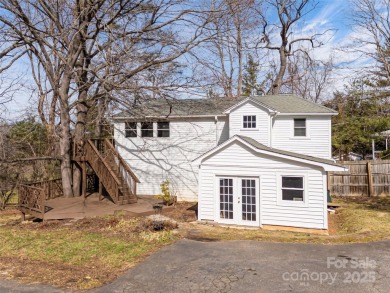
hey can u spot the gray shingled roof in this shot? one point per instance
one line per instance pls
(198, 107)
(260, 146)
(291, 104)
(184, 107)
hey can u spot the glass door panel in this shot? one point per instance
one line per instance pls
(226, 198)
(248, 196)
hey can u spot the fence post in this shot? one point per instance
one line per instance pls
(369, 175)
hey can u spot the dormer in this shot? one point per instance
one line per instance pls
(251, 118)
(284, 122)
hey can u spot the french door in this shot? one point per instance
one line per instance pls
(238, 199)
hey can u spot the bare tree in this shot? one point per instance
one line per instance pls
(67, 43)
(372, 18)
(288, 12)
(232, 32)
(306, 77)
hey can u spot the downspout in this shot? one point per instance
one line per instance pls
(273, 115)
(216, 129)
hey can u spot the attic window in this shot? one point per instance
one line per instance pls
(249, 121)
(147, 129)
(292, 188)
(131, 129)
(300, 127)
(162, 129)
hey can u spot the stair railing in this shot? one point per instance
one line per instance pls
(103, 170)
(124, 170)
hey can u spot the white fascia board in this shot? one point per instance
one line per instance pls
(251, 100)
(167, 117)
(326, 167)
(307, 114)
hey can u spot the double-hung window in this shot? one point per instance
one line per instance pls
(300, 127)
(130, 129)
(147, 129)
(249, 121)
(162, 129)
(293, 188)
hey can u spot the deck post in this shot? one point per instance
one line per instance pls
(84, 183)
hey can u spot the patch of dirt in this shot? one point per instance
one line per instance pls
(181, 213)
(10, 212)
(334, 221)
(56, 274)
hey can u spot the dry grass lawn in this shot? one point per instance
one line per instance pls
(91, 252)
(360, 219)
(76, 255)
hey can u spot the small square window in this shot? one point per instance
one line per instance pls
(300, 127)
(249, 121)
(147, 129)
(130, 129)
(163, 129)
(292, 188)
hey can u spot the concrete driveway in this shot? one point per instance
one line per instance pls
(250, 266)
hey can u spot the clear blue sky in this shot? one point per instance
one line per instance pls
(334, 15)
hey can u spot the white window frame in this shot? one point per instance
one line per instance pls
(249, 128)
(136, 129)
(292, 203)
(307, 125)
(169, 129)
(140, 127)
(298, 136)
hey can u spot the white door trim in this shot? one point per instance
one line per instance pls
(237, 200)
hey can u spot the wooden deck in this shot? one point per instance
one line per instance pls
(103, 170)
(80, 207)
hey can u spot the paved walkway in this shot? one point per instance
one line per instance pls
(250, 266)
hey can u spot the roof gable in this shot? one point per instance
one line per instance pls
(328, 165)
(248, 100)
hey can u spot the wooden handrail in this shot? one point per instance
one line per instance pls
(122, 161)
(33, 187)
(32, 200)
(103, 161)
(106, 175)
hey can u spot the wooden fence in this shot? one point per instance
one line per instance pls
(368, 178)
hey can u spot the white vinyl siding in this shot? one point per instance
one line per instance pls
(261, 132)
(316, 142)
(238, 160)
(154, 159)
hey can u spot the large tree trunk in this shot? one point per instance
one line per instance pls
(101, 110)
(65, 153)
(65, 138)
(277, 84)
(79, 137)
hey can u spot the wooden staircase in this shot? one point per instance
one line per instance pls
(113, 172)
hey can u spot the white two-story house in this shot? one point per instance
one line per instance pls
(259, 161)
